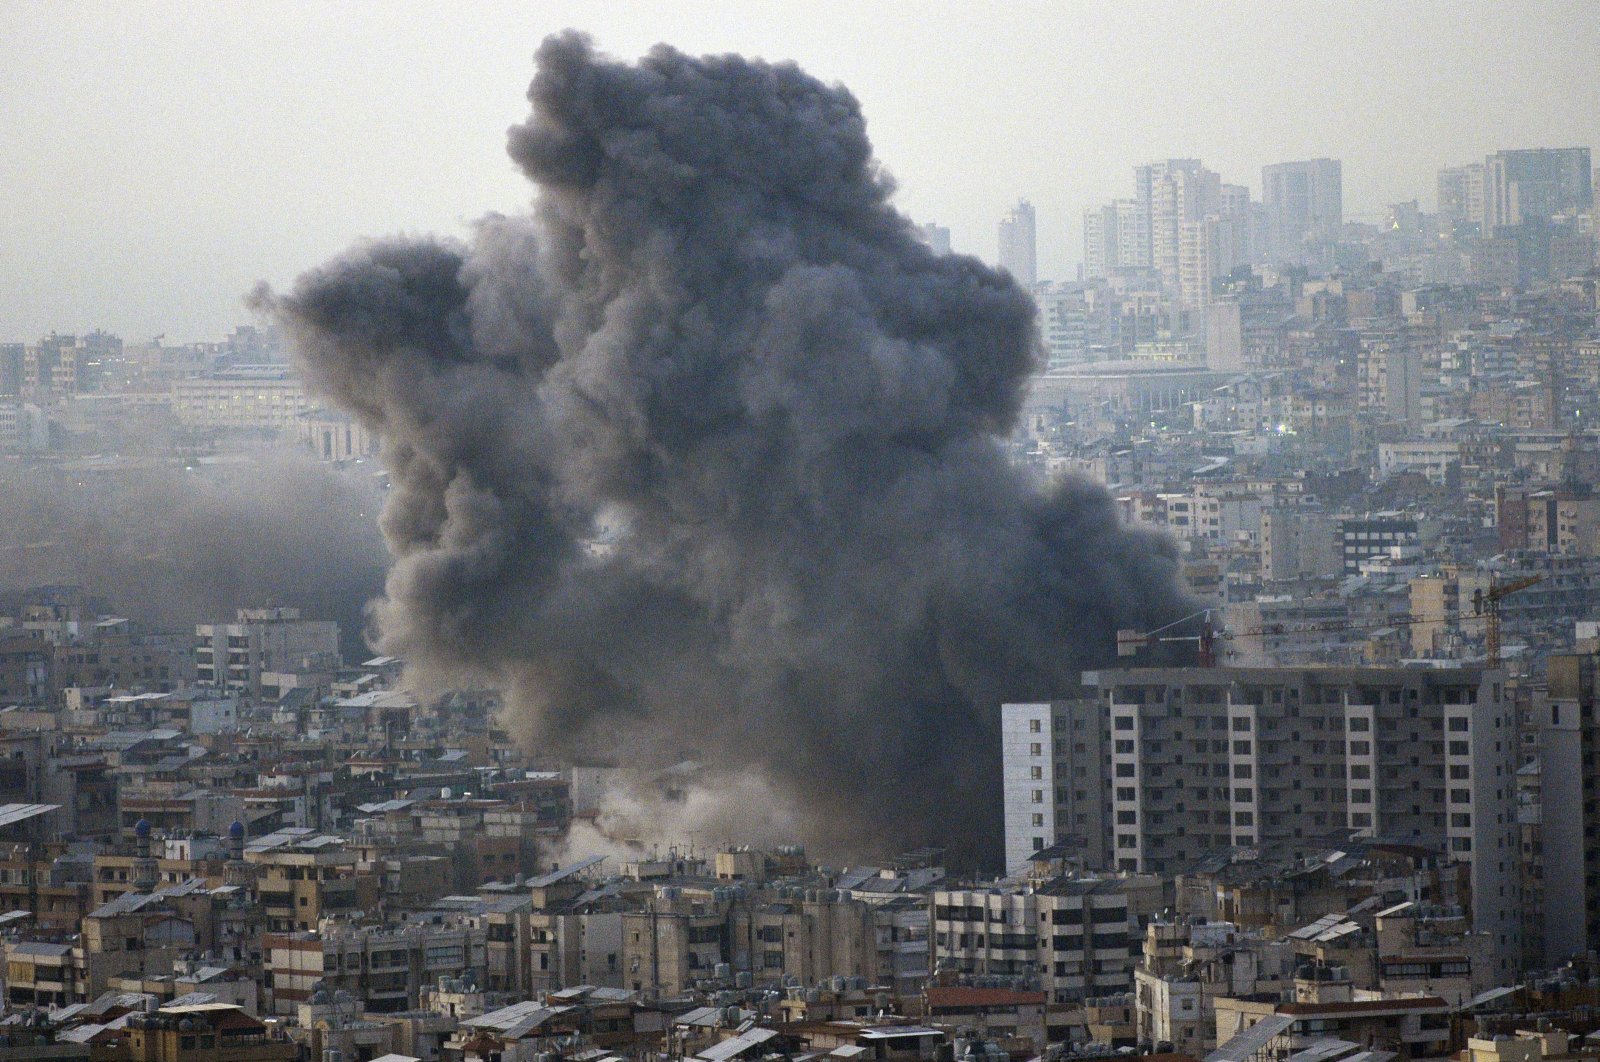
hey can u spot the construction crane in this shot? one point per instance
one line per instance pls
(1486, 604)
(1130, 642)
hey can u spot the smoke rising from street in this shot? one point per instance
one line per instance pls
(178, 547)
(703, 458)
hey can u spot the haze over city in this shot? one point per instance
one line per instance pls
(799, 533)
(161, 158)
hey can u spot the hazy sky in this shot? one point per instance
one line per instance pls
(156, 159)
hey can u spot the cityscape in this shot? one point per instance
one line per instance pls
(710, 617)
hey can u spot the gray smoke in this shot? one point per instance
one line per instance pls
(171, 548)
(717, 348)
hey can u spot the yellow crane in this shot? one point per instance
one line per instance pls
(1486, 603)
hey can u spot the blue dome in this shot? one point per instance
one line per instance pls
(236, 830)
(141, 828)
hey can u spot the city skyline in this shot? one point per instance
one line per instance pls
(282, 162)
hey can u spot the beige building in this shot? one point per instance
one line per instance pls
(250, 398)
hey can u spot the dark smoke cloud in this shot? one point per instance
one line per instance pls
(717, 341)
(172, 548)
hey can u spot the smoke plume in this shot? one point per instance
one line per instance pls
(703, 458)
(171, 548)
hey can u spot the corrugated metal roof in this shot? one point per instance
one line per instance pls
(566, 872)
(1253, 1039)
(14, 813)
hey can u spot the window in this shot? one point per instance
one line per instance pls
(1035, 772)
(1360, 748)
(1460, 748)
(1038, 819)
(1034, 727)
(1241, 796)
(1459, 724)
(1241, 748)
(1036, 749)
(1038, 796)
(1360, 796)
(1125, 792)
(1123, 722)
(1360, 724)
(1241, 723)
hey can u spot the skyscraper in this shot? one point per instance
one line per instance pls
(936, 236)
(1168, 194)
(1461, 194)
(1535, 185)
(1018, 254)
(1100, 254)
(1305, 207)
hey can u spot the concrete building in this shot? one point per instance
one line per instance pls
(1535, 185)
(234, 656)
(1070, 936)
(1172, 194)
(1461, 195)
(1297, 543)
(1054, 784)
(1019, 244)
(1374, 535)
(1100, 233)
(935, 236)
(1304, 204)
(244, 398)
(1201, 758)
(335, 436)
(383, 967)
(1561, 822)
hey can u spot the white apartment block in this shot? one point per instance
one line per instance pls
(1053, 779)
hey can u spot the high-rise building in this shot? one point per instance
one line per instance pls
(1100, 233)
(1205, 255)
(1146, 182)
(1018, 246)
(1535, 185)
(1461, 194)
(12, 359)
(935, 236)
(1560, 813)
(1176, 191)
(1305, 208)
(1202, 758)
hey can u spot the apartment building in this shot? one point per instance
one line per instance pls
(1073, 938)
(383, 966)
(235, 655)
(1202, 758)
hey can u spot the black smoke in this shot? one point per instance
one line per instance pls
(703, 459)
(172, 547)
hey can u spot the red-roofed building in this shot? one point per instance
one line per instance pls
(997, 1013)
